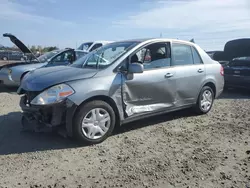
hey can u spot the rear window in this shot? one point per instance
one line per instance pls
(240, 62)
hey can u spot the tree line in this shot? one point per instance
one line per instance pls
(33, 48)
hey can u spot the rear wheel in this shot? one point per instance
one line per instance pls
(94, 122)
(205, 100)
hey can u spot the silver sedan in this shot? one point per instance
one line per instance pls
(137, 79)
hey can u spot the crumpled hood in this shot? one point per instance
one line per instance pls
(42, 78)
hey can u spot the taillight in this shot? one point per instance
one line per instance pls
(222, 70)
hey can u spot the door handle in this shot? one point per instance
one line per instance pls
(168, 75)
(200, 70)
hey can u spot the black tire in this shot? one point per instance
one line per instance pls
(198, 106)
(82, 112)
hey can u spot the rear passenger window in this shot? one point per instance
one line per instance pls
(197, 58)
(181, 54)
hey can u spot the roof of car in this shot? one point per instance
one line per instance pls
(99, 41)
(155, 39)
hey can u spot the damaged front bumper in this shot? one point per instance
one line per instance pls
(44, 118)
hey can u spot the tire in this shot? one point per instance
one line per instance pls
(86, 135)
(5, 58)
(200, 108)
(22, 59)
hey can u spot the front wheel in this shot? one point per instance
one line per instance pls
(205, 100)
(94, 122)
(5, 58)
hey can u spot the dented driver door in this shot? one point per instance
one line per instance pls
(151, 91)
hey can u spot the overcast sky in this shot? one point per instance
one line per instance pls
(67, 23)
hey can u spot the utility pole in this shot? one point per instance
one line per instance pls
(161, 35)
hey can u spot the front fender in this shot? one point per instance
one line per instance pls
(18, 71)
(108, 86)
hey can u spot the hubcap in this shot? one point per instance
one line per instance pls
(96, 123)
(206, 100)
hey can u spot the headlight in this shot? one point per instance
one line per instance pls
(52, 95)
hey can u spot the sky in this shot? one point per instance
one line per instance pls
(65, 23)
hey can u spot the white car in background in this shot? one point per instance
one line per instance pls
(90, 46)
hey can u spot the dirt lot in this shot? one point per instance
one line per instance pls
(174, 150)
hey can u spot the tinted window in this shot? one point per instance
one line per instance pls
(85, 46)
(63, 57)
(153, 56)
(96, 46)
(196, 57)
(239, 62)
(181, 54)
(43, 58)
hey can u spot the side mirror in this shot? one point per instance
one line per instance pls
(135, 68)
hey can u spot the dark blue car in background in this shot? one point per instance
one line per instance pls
(237, 73)
(12, 55)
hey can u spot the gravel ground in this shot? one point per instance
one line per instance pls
(174, 150)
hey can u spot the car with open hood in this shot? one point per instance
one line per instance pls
(114, 85)
(237, 73)
(12, 74)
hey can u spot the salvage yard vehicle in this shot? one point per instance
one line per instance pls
(12, 55)
(237, 73)
(12, 74)
(90, 97)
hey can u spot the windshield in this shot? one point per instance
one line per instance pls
(43, 58)
(104, 56)
(85, 46)
(79, 54)
(242, 58)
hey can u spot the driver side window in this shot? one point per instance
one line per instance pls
(63, 57)
(153, 56)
